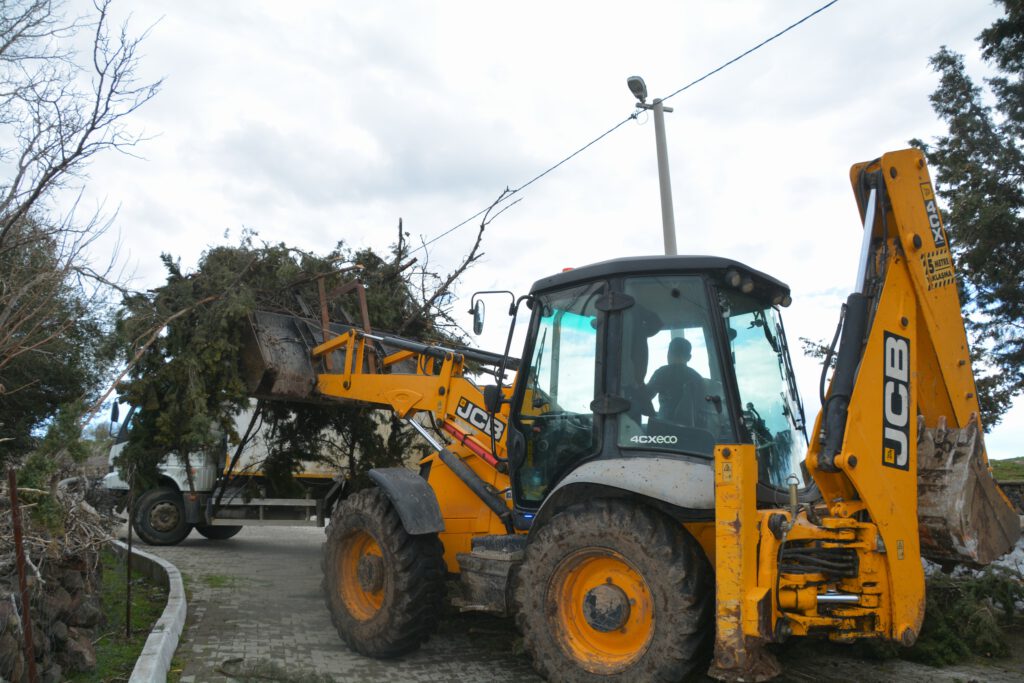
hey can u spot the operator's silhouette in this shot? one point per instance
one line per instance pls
(679, 388)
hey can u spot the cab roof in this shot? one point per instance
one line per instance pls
(653, 265)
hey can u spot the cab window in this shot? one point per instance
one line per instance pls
(670, 370)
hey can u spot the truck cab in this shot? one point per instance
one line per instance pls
(173, 471)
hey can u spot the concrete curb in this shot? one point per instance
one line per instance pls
(155, 660)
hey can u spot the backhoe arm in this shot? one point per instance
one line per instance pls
(896, 453)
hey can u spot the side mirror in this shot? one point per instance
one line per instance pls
(115, 419)
(478, 317)
(493, 398)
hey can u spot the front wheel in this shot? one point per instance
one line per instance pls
(384, 587)
(159, 517)
(217, 533)
(614, 592)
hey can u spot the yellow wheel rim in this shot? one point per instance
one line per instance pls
(604, 612)
(360, 577)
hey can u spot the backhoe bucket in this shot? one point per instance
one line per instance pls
(277, 361)
(963, 515)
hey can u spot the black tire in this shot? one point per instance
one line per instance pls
(159, 517)
(217, 533)
(388, 606)
(612, 591)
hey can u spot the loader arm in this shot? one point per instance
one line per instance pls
(897, 454)
(286, 357)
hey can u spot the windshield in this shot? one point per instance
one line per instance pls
(770, 405)
(670, 369)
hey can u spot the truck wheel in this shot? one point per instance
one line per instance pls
(612, 591)
(217, 533)
(159, 517)
(384, 588)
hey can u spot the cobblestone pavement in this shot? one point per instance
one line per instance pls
(255, 601)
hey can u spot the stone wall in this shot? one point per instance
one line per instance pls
(66, 614)
(1014, 490)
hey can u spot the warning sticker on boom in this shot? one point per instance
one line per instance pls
(938, 268)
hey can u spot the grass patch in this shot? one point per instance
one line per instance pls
(219, 580)
(1011, 469)
(116, 654)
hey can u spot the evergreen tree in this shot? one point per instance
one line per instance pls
(979, 169)
(183, 343)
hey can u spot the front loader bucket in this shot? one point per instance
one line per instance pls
(278, 364)
(963, 515)
(277, 360)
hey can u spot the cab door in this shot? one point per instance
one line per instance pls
(554, 427)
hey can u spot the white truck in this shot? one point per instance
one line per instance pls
(228, 490)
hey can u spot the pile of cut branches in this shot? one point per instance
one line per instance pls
(182, 345)
(57, 525)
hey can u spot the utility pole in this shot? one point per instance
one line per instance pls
(668, 220)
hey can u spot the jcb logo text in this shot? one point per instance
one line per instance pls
(896, 402)
(478, 417)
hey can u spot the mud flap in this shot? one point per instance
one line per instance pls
(963, 515)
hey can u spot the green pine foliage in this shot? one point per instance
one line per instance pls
(967, 617)
(979, 169)
(187, 378)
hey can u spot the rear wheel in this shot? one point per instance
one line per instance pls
(611, 591)
(159, 517)
(384, 587)
(217, 533)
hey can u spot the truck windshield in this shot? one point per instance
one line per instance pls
(556, 418)
(770, 405)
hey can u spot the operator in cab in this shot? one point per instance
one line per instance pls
(679, 388)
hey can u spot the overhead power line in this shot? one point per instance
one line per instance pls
(507, 194)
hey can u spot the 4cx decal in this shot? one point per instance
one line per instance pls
(932, 209)
(478, 417)
(896, 407)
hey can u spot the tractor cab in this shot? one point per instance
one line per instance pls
(643, 365)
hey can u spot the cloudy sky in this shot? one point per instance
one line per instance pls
(324, 121)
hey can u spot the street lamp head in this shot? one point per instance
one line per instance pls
(638, 88)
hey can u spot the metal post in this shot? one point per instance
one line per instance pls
(19, 553)
(668, 221)
(128, 557)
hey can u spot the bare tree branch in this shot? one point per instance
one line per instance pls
(58, 109)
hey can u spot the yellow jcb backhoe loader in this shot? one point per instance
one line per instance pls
(630, 540)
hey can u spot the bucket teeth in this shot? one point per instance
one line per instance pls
(963, 515)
